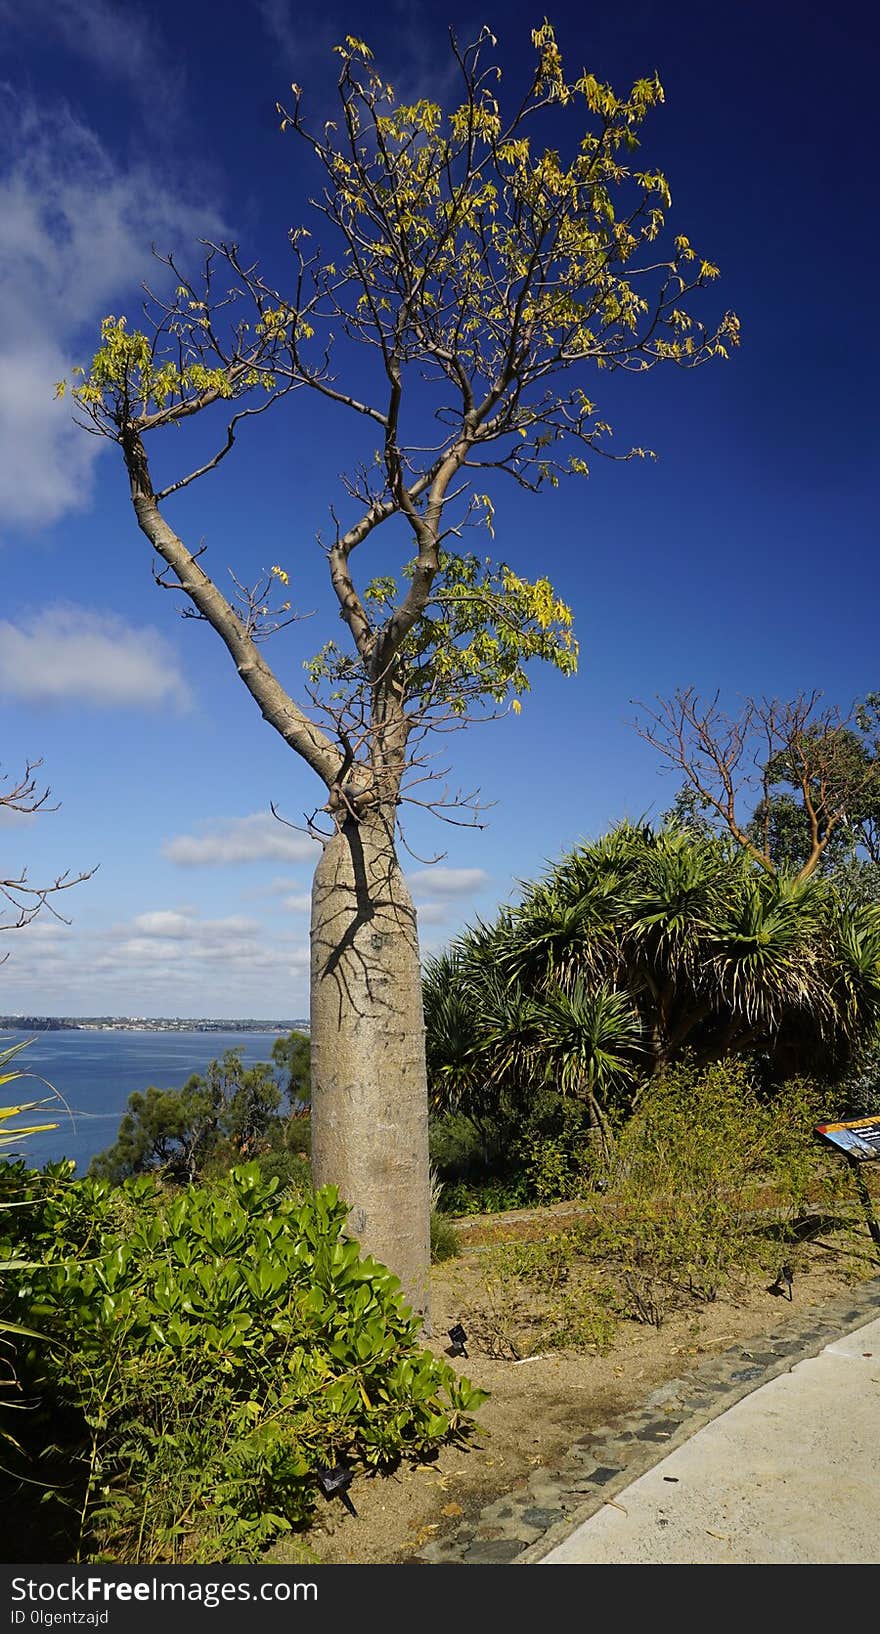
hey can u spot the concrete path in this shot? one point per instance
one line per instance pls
(788, 1475)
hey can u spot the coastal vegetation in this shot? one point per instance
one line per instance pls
(650, 1035)
(205, 1355)
(228, 1316)
(228, 1114)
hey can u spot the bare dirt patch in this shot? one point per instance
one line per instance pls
(538, 1404)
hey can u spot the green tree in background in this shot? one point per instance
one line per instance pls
(227, 1115)
(636, 949)
(292, 1060)
(810, 774)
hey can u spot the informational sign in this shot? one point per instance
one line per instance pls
(858, 1138)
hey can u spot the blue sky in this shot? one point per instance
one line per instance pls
(742, 559)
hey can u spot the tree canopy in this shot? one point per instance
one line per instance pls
(484, 259)
(796, 784)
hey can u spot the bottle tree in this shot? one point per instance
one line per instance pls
(484, 262)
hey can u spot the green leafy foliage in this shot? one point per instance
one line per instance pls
(219, 1118)
(292, 1060)
(532, 1152)
(12, 1133)
(208, 1351)
(710, 1183)
(444, 1239)
(796, 784)
(832, 771)
(706, 1183)
(482, 625)
(635, 949)
(541, 1296)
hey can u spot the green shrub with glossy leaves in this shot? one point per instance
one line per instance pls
(213, 1351)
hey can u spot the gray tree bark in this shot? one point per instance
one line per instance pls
(369, 1087)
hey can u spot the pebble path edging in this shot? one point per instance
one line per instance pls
(544, 1508)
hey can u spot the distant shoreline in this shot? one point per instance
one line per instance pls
(146, 1024)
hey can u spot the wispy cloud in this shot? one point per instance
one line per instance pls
(299, 40)
(200, 950)
(431, 913)
(111, 36)
(77, 230)
(257, 838)
(299, 902)
(282, 885)
(449, 881)
(186, 925)
(70, 654)
(169, 961)
(412, 47)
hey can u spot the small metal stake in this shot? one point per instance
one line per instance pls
(865, 1197)
(459, 1339)
(334, 1483)
(784, 1276)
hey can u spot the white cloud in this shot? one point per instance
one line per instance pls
(165, 962)
(47, 929)
(69, 653)
(298, 903)
(183, 926)
(164, 923)
(172, 935)
(142, 950)
(77, 230)
(449, 881)
(203, 952)
(431, 913)
(257, 838)
(282, 885)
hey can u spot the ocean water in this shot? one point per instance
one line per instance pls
(95, 1072)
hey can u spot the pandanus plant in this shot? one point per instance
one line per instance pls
(639, 947)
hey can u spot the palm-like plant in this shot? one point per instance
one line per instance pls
(453, 1041)
(855, 987)
(677, 930)
(767, 955)
(587, 1042)
(11, 1134)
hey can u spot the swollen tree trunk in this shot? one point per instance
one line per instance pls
(369, 1086)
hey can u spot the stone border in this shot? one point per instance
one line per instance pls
(522, 1526)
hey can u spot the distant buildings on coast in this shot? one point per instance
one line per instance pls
(147, 1024)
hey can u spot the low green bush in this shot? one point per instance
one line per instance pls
(444, 1239)
(544, 1295)
(535, 1153)
(705, 1183)
(206, 1352)
(709, 1183)
(485, 1196)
